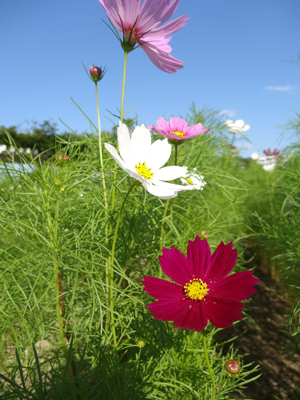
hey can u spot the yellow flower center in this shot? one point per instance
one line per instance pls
(189, 180)
(195, 289)
(179, 133)
(143, 170)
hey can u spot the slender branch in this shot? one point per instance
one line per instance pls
(111, 277)
(121, 119)
(100, 148)
(213, 395)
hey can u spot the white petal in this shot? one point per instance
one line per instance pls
(124, 143)
(159, 154)
(246, 128)
(140, 144)
(162, 193)
(170, 173)
(170, 186)
(239, 123)
(116, 156)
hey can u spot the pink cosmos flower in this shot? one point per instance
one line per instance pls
(202, 291)
(177, 129)
(139, 24)
(271, 153)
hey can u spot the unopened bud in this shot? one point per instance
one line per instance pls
(95, 73)
(204, 234)
(62, 158)
(233, 367)
(141, 342)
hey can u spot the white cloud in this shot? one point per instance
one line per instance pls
(229, 113)
(281, 88)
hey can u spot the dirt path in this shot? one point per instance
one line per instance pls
(265, 341)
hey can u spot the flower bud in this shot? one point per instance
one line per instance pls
(95, 73)
(62, 158)
(204, 234)
(233, 367)
(141, 343)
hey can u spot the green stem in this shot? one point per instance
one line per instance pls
(213, 395)
(100, 148)
(162, 230)
(111, 276)
(54, 246)
(102, 173)
(165, 212)
(123, 86)
(121, 119)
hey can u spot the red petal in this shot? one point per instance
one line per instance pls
(175, 265)
(199, 257)
(222, 312)
(191, 317)
(222, 263)
(161, 289)
(237, 286)
(166, 310)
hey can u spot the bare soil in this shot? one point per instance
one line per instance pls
(266, 342)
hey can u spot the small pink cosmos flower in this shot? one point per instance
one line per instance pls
(177, 129)
(139, 24)
(202, 291)
(268, 152)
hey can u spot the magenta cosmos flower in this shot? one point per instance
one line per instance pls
(177, 129)
(139, 24)
(202, 291)
(268, 152)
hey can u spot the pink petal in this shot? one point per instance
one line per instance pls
(161, 43)
(162, 127)
(199, 257)
(124, 12)
(166, 310)
(178, 124)
(161, 59)
(196, 130)
(191, 317)
(175, 265)
(237, 286)
(161, 289)
(162, 124)
(169, 28)
(222, 263)
(222, 312)
(156, 12)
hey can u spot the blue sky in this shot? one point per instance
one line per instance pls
(235, 54)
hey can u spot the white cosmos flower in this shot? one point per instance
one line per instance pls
(143, 161)
(255, 156)
(195, 180)
(236, 127)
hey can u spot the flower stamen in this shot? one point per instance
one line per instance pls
(179, 133)
(195, 289)
(144, 171)
(189, 180)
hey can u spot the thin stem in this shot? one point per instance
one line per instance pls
(121, 119)
(100, 148)
(162, 230)
(123, 86)
(54, 244)
(111, 276)
(102, 174)
(213, 395)
(165, 212)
